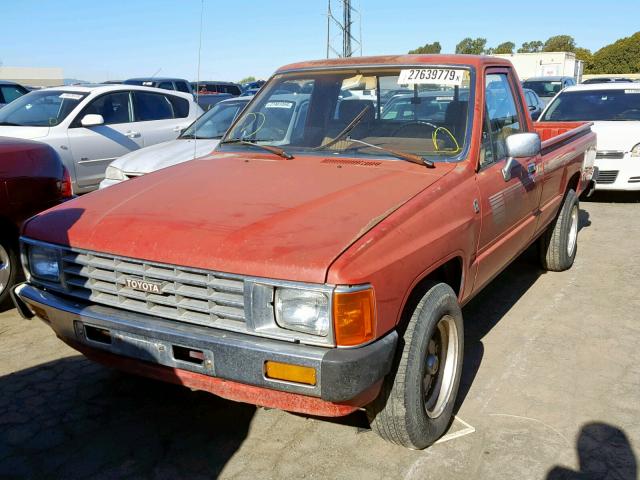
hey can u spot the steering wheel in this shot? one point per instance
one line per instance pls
(415, 122)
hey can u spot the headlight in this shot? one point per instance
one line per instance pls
(43, 263)
(114, 173)
(302, 310)
(635, 151)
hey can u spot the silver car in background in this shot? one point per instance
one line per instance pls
(90, 126)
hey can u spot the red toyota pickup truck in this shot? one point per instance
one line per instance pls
(318, 260)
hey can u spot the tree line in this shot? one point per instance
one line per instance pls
(622, 56)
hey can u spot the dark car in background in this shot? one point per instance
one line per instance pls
(547, 87)
(178, 84)
(210, 92)
(32, 179)
(534, 104)
(9, 91)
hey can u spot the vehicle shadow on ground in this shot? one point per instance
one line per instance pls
(485, 311)
(604, 451)
(72, 418)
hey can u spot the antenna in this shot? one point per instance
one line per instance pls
(156, 72)
(195, 129)
(341, 29)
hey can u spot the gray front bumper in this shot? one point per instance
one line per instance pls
(341, 373)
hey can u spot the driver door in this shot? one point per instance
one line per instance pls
(94, 148)
(508, 208)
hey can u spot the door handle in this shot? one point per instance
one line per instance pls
(132, 134)
(532, 168)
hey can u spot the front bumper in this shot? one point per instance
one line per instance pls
(618, 174)
(342, 374)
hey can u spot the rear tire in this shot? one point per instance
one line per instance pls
(9, 265)
(559, 243)
(416, 402)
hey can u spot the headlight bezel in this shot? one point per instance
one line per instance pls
(635, 151)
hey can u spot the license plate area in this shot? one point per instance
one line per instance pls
(169, 354)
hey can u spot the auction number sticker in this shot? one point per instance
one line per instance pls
(431, 76)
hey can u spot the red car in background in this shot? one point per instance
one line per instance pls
(32, 179)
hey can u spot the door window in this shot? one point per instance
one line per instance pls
(114, 108)
(152, 106)
(501, 113)
(8, 93)
(182, 87)
(180, 106)
(166, 85)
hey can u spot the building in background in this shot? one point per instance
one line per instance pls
(33, 76)
(546, 64)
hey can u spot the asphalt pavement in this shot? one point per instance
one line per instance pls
(550, 390)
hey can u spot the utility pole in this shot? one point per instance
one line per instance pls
(341, 29)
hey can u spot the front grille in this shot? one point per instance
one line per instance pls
(607, 176)
(610, 154)
(634, 180)
(188, 295)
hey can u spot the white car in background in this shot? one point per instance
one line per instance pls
(199, 139)
(615, 110)
(90, 126)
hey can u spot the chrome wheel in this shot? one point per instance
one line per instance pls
(5, 269)
(573, 231)
(443, 350)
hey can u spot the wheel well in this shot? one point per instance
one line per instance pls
(8, 226)
(449, 272)
(573, 183)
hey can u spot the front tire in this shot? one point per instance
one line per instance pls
(9, 265)
(559, 244)
(416, 402)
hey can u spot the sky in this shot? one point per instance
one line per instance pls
(115, 39)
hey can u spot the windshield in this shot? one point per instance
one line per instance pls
(215, 122)
(603, 105)
(421, 111)
(42, 108)
(544, 88)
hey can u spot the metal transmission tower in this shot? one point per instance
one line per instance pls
(343, 30)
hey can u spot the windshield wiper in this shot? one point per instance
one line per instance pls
(346, 131)
(410, 157)
(269, 148)
(9, 124)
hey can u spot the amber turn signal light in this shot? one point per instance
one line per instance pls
(354, 317)
(290, 373)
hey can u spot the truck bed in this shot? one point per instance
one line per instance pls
(556, 134)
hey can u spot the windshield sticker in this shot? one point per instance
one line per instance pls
(147, 84)
(431, 76)
(279, 105)
(71, 96)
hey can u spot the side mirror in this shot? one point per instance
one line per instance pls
(520, 145)
(92, 120)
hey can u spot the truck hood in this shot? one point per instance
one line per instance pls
(255, 215)
(23, 132)
(620, 136)
(162, 155)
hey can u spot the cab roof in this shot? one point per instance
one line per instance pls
(397, 60)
